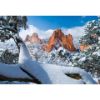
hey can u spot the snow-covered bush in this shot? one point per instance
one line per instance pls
(8, 57)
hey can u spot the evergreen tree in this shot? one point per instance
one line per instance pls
(9, 28)
(92, 31)
(89, 59)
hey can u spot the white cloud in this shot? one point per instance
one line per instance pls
(28, 31)
(76, 32)
(32, 29)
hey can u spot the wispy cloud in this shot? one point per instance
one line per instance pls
(32, 29)
(76, 32)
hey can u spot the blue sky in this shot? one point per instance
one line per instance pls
(45, 25)
(54, 22)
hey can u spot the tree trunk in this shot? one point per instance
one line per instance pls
(16, 43)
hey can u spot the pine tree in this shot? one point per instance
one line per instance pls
(92, 32)
(9, 27)
(89, 59)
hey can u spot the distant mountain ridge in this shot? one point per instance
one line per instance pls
(34, 38)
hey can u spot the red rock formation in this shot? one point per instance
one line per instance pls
(84, 47)
(33, 38)
(63, 40)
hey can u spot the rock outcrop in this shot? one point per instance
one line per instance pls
(59, 39)
(84, 47)
(33, 38)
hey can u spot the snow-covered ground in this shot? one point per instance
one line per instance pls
(44, 68)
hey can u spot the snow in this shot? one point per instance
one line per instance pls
(85, 76)
(50, 73)
(54, 74)
(97, 53)
(12, 71)
(82, 59)
(95, 27)
(61, 48)
(45, 73)
(15, 82)
(10, 45)
(99, 38)
(24, 53)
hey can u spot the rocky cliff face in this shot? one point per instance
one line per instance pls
(59, 39)
(33, 38)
